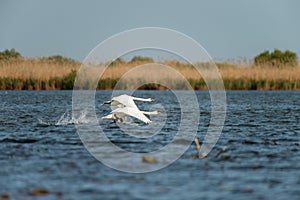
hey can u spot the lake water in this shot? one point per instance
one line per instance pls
(40, 149)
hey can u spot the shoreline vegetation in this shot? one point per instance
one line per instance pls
(59, 73)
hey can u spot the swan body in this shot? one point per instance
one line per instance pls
(119, 115)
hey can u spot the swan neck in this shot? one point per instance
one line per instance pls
(140, 99)
(149, 113)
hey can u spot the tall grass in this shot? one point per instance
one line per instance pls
(45, 74)
(37, 68)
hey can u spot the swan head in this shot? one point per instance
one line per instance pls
(151, 99)
(107, 103)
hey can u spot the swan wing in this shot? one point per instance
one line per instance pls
(125, 100)
(133, 112)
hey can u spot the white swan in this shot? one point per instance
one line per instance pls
(119, 115)
(126, 107)
(125, 100)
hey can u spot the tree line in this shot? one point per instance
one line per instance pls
(277, 58)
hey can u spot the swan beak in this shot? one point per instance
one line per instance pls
(158, 112)
(151, 99)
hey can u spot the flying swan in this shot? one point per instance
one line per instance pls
(126, 107)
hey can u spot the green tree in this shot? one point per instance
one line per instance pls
(61, 59)
(141, 59)
(117, 61)
(7, 54)
(262, 58)
(290, 58)
(277, 58)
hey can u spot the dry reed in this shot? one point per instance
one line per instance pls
(235, 76)
(39, 69)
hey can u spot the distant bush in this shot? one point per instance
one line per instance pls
(60, 59)
(117, 61)
(7, 54)
(120, 61)
(141, 59)
(277, 58)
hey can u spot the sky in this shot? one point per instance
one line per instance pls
(231, 29)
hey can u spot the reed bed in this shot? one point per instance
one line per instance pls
(37, 68)
(260, 72)
(42, 74)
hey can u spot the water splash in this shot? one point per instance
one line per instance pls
(44, 123)
(66, 119)
(69, 118)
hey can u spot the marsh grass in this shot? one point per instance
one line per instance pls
(45, 74)
(37, 68)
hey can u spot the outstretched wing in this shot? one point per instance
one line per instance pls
(134, 112)
(125, 100)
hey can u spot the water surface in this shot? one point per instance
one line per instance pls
(40, 149)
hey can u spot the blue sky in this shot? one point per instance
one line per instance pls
(226, 29)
